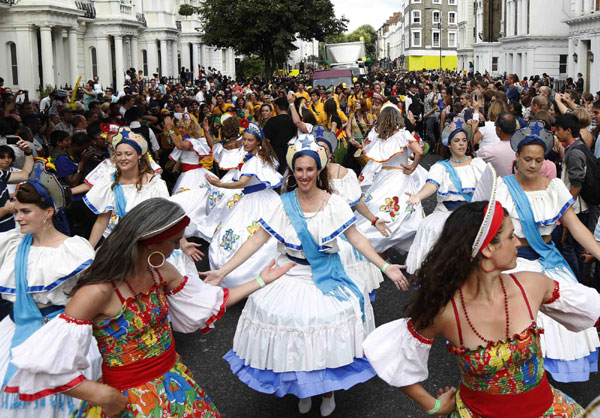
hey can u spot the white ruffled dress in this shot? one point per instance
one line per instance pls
(431, 228)
(193, 175)
(568, 356)
(354, 262)
(51, 274)
(101, 197)
(241, 223)
(386, 197)
(220, 202)
(291, 338)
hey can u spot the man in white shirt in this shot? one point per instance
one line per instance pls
(200, 98)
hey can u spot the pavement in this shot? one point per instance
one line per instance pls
(203, 353)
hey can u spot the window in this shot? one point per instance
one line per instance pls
(494, 63)
(597, 5)
(436, 2)
(416, 17)
(451, 39)
(415, 1)
(145, 61)
(416, 38)
(224, 59)
(435, 17)
(13, 62)
(435, 38)
(452, 18)
(452, 2)
(94, 59)
(562, 64)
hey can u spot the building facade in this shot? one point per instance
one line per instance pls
(430, 34)
(54, 42)
(487, 50)
(584, 43)
(466, 34)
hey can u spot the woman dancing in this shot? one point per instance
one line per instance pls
(454, 179)
(488, 319)
(39, 265)
(535, 204)
(257, 177)
(130, 301)
(304, 335)
(388, 145)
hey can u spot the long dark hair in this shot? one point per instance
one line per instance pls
(447, 265)
(117, 257)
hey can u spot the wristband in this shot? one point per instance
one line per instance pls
(374, 221)
(384, 268)
(260, 281)
(171, 132)
(436, 408)
(29, 153)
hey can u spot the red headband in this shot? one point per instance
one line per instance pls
(167, 233)
(495, 225)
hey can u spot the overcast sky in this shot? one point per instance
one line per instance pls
(360, 12)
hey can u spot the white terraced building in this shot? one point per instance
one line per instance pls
(53, 42)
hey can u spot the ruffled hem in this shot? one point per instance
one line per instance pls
(301, 384)
(46, 392)
(382, 150)
(572, 370)
(228, 159)
(218, 315)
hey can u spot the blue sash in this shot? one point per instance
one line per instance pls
(550, 257)
(120, 201)
(455, 179)
(27, 317)
(327, 269)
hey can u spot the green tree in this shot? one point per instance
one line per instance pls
(266, 28)
(365, 31)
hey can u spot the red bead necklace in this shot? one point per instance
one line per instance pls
(462, 301)
(131, 288)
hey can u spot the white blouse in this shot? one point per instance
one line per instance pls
(469, 176)
(348, 187)
(390, 152)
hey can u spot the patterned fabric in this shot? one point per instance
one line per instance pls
(508, 366)
(140, 331)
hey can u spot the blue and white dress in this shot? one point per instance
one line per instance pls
(193, 175)
(241, 222)
(51, 274)
(354, 262)
(386, 197)
(292, 338)
(448, 199)
(568, 356)
(219, 201)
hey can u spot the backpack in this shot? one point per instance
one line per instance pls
(590, 190)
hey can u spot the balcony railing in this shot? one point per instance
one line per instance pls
(126, 8)
(141, 18)
(9, 2)
(86, 6)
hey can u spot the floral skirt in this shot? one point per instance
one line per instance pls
(174, 394)
(562, 407)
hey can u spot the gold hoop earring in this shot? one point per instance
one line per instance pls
(157, 265)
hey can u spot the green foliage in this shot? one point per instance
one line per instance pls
(186, 10)
(266, 28)
(46, 91)
(366, 31)
(249, 67)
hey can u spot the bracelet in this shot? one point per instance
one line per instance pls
(171, 132)
(436, 408)
(374, 221)
(260, 281)
(384, 268)
(30, 153)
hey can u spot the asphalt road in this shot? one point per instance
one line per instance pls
(203, 355)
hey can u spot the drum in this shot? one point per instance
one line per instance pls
(360, 157)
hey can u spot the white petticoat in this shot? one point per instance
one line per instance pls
(239, 225)
(53, 406)
(427, 235)
(386, 198)
(557, 341)
(219, 203)
(290, 325)
(356, 265)
(193, 180)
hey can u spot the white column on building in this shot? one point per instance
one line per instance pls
(60, 58)
(195, 62)
(174, 63)
(103, 61)
(152, 57)
(135, 53)
(119, 67)
(26, 59)
(73, 56)
(47, 56)
(164, 53)
(186, 58)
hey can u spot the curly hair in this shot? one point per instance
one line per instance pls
(194, 130)
(447, 265)
(231, 128)
(388, 122)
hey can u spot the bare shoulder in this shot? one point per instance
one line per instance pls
(90, 301)
(169, 274)
(343, 171)
(536, 285)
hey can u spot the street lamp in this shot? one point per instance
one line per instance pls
(440, 32)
